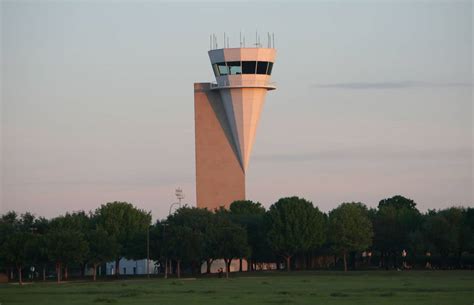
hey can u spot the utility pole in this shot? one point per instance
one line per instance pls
(148, 252)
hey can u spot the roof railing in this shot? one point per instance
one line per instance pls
(214, 45)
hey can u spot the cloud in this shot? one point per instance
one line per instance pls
(391, 85)
(351, 154)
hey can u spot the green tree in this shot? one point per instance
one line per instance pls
(78, 221)
(157, 249)
(350, 229)
(443, 230)
(66, 246)
(38, 246)
(251, 216)
(396, 218)
(294, 225)
(17, 241)
(467, 233)
(102, 248)
(229, 241)
(186, 238)
(15, 251)
(8, 226)
(246, 207)
(123, 222)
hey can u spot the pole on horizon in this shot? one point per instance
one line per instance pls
(148, 252)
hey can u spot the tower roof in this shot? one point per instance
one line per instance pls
(242, 54)
(243, 79)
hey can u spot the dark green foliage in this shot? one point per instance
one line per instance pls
(395, 219)
(66, 246)
(294, 225)
(448, 232)
(102, 248)
(198, 235)
(229, 241)
(251, 216)
(350, 229)
(186, 234)
(467, 231)
(246, 207)
(127, 225)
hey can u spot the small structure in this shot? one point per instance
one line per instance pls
(132, 267)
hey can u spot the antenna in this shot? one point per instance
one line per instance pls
(228, 44)
(273, 36)
(240, 38)
(179, 194)
(224, 39)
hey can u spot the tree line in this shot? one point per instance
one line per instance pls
(292, 233)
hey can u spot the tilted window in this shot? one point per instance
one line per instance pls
(262, 67)
(242, 67)
(234, 67)
(248, 67)
(222, 67)
(269, 70)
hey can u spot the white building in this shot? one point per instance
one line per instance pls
(133, 267)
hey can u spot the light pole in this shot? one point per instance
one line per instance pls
(180, 196)
(148, 252)
(166, 260)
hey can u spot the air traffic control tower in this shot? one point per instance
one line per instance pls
(226, 118)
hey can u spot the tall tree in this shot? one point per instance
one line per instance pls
(294, 225)
(350, 229)
(444, 231)
(15, 251)
(8, 226)
(251, 216)
(230, 241)
(102, 248)
(17, 240)
(39, 245)
(66, 246)
(396, 218)
(468, 230)
(78, 221)
(123, 222)
(186, 238)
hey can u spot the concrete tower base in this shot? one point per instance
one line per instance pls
(220, 179)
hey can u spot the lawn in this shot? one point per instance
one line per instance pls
(374, 287)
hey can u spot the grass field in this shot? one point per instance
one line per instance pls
(375, 287)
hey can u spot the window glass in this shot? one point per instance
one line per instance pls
(262, 67)
(216, 70)
(223, 70)
(248, 67)
(234, 67)
(270, 66)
